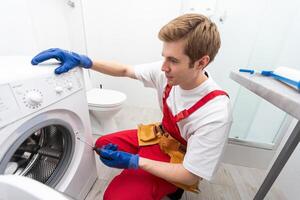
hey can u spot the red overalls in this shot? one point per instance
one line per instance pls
(139, 184)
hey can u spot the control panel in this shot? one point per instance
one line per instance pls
(21, 98)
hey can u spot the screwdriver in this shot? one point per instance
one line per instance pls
(93, 147)
(78, 138)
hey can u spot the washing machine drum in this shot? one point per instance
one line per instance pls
(43, 156)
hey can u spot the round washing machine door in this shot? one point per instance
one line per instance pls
(42, 153)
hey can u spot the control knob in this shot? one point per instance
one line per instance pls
(34, 98)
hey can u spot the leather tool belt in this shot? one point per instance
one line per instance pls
(152, 134)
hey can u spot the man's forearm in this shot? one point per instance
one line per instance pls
(113, 69)
(168, 171)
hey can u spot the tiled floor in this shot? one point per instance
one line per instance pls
(231, 182)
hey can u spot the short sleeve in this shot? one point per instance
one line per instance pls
(204, 154)
(150, 74)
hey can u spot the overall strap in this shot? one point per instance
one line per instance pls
(185, 113)
(166, 92)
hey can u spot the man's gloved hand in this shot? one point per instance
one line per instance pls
(111, 157)
(68, 59)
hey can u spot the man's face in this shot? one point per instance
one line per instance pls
(176, 65)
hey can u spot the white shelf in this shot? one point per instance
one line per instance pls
(279, 94)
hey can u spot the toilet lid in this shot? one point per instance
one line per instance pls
(104, 98)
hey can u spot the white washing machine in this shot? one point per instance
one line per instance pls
(41, 116)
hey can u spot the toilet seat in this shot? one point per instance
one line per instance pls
(104, 98)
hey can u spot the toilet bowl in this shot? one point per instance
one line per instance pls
(104, 104)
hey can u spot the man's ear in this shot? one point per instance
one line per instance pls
(202, 62)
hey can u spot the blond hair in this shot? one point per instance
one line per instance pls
(201, 35)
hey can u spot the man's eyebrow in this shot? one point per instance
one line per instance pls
(170, 57)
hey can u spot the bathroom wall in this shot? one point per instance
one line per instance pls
(17, 34)
(30, 26)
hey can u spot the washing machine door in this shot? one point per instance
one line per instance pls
(20, 187)
(43, 151)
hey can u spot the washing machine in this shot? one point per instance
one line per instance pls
(42, 118)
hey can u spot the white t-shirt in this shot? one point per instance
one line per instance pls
(206, 130)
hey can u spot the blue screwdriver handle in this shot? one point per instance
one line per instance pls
(251, 71)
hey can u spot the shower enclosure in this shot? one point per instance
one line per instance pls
(263, 39)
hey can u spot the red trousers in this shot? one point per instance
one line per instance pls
(136, 184)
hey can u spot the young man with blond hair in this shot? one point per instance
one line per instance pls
(187, 145)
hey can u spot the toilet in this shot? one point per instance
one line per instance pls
(104, 104)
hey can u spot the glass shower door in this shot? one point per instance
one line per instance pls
(256, 122)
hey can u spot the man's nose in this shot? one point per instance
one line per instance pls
(165, 67)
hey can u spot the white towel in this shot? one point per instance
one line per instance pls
(290, 73)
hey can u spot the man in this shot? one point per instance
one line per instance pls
(160, 158)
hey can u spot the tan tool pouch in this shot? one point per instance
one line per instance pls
(148, 134)
(153, 134)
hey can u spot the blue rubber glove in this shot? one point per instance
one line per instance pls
(68, 59)
(111, 157)
(109, 146)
